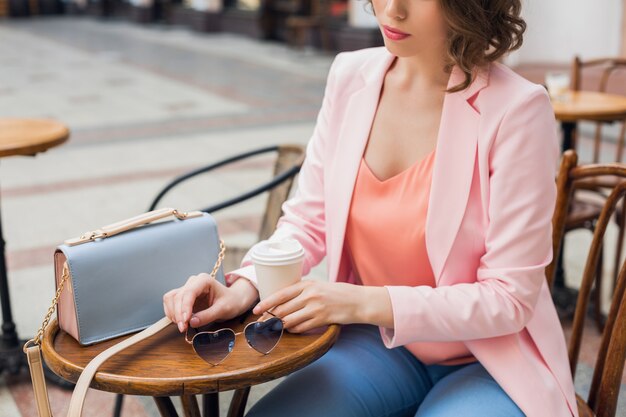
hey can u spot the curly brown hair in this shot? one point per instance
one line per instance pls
(480, 32)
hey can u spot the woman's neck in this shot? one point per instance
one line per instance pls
(420, 72)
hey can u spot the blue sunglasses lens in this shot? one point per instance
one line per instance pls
(263, 336)
(214, 347)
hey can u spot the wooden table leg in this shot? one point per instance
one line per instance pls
(165, 406)
(211, 405)
(190, 406)
(238, 403)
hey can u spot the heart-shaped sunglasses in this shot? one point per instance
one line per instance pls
(214, 346)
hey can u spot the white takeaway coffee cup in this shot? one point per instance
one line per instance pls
(278, 264)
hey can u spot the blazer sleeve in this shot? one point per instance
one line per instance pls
(303, 216)
(518, 241)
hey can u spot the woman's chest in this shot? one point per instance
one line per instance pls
(404, 130)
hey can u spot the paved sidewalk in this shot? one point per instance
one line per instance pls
(144, 103)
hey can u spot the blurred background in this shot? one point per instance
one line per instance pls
(151, 89)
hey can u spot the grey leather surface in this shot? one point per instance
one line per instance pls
(119, 281)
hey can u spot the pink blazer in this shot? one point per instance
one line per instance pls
(488, 229)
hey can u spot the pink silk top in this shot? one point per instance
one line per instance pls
(386, 240)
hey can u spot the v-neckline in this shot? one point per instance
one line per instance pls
(415, 164)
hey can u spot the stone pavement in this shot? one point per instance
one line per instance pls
(144, 103)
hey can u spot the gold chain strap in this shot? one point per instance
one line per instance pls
(39, 337)
(220, 258)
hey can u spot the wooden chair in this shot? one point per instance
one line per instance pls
(289, 159)
(609, 366)
(606, 68)
(586, 207)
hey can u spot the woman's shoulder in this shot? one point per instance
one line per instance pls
(505, 85)
(516, 110)
(507, 93)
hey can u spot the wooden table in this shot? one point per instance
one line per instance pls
(20, 137)
(165, 365)
(587, 105)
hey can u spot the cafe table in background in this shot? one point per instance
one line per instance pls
(575, 106)
(24, 137)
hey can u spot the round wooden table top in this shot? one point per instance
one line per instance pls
(166, 365)
(589, 105)
(30, 136)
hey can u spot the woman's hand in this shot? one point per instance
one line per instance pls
(204, 299)
(310, 304)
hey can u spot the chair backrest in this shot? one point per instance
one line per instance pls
(607, 67)
(288, 161)
(288, 156)
(609, 365)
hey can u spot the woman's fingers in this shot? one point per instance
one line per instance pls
(185, 299)
(305, 326)
(200, 301)
(215, 312)
(225, 305)
(289, 307)
(298, 317)
(178, 319)
(168, 305)
(280, 297)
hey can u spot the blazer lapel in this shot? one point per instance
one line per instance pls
(353, 134)
(453, 169)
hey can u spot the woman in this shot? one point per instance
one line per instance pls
(429, 184)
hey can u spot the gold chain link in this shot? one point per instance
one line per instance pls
(39, 337)
(220, 258)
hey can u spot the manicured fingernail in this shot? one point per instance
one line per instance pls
(255, 310)
(185, 316)
(180, 326)
(194, 321)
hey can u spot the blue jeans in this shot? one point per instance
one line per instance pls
(360, 377)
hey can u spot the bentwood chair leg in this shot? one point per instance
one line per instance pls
(564, 298)
(190, 406)
(165, 406)
(597, 293)
(559, 276)
(621, 224)
(117, 410)
(211, 405)
(238, 403)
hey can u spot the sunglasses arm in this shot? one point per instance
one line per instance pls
(273, 315)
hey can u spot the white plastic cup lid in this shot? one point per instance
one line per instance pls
(277, 252)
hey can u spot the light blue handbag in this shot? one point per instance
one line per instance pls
(113, 279)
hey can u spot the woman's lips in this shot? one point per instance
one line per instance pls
(394, 34)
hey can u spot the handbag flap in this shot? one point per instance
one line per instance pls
(118, 282)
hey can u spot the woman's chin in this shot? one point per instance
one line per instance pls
(398, 50)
